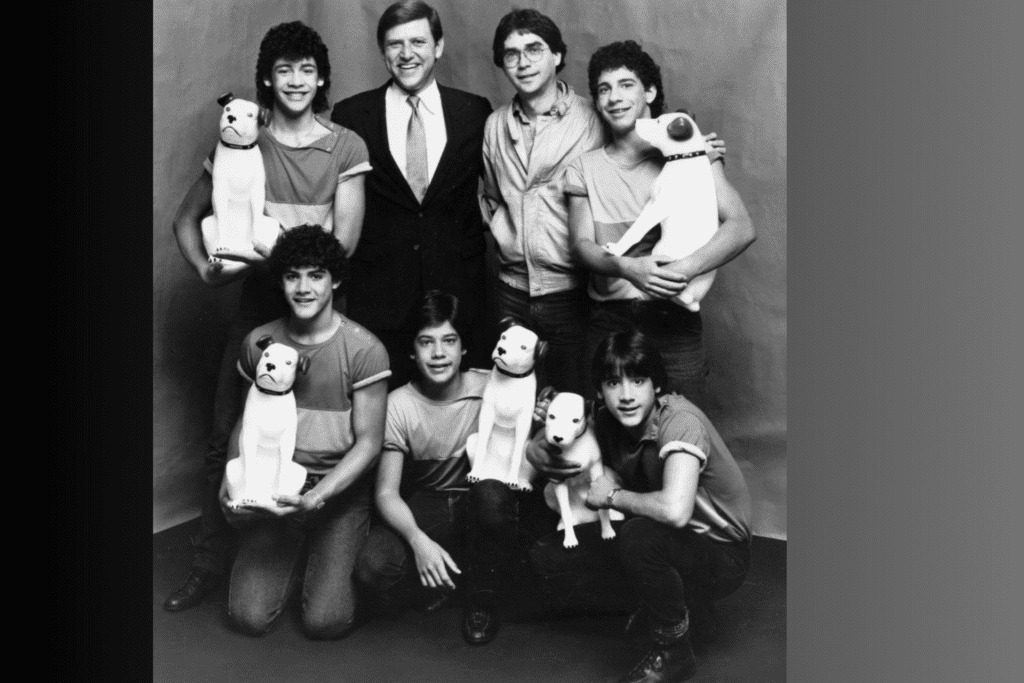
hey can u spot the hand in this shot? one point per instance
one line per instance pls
(256, 258)
(544, 458)
(597, 495)
(649, 276)
(213, 273)
(234, 516)
(433, 562)
(286, 506)
(540, 409)
(715, 147)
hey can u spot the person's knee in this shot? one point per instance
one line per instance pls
(494, 504)
(326, 624)
(376, 568)
(637, 543)
(544, 560)
(249, 619)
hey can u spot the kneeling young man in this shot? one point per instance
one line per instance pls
(686, 536)
(451, 528)
(341, 402)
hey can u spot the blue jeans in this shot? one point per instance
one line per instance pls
(560, 319)
(268, 566)
(673, 330)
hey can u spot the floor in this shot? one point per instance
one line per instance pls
(747, 641)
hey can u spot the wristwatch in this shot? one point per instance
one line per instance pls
(610, 497)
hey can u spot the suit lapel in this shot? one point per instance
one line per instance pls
(451, 104)
(376, 116)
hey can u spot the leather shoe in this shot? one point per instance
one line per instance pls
(664, 664)
(480, 624)
(198, 584)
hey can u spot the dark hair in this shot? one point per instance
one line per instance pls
(405, 11)
(309, 246)
(627, 353)
(435, 309)
(627, 54)
(527, 21)
(292, 41)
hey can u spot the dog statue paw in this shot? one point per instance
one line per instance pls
(264, 467)
(239, 187)
(566, 426)
(497, 449)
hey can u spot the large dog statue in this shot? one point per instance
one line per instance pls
(683, 199)
(496, 450)
(265, 467)
(239, 187)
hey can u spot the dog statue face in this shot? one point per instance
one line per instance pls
(240, 122)
(516, 351)
(566, 419)
(277, 367)
(675, 133)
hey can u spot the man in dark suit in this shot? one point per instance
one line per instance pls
(423, 228)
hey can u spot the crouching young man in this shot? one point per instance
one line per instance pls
(341, 403)
(439, 530)
(686, 537)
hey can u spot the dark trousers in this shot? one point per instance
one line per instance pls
(662, 567)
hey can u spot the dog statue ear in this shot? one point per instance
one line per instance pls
(546, 393)
(684, 110)
(679, 129)
(506, 322)
(303, 366)
(264, 116)
(540, 352)
(225, 98)
(588, 407)
(263, 342)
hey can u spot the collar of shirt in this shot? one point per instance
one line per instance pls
(324, 143)
(517, 117)
(430, 98)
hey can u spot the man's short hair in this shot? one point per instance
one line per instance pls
(405, 11)
(627, 54)
(309, 246)
(628, 353)
(527, 21)
(435, 309)
(291, 41)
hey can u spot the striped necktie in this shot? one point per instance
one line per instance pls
(416, 151)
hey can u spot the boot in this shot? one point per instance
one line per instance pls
(480, 618)
(664, 664)
(199, 583)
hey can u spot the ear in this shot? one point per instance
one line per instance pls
(588, 408)
(303, 365)
(263, 342)
(650, 94)
(263, 118)
(558, 59)
(546, 393)
(679, 129)
(506, 322)
(684, 110)
(540, 351)
(225, 98)
(320, 83)
(439, 50)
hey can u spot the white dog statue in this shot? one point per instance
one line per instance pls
(682, 199)
(496, 450)
(265, 467)
(566, 427)
(239, 187)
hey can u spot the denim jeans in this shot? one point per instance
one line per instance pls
(651, 559)
(673, 330)
(269, 564)
(560, 319)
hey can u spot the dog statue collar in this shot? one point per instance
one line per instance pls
(688, 155)
(233, 146)
(272, 392)
(517, 375)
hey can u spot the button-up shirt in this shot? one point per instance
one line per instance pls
(524, 162)
(399, 111)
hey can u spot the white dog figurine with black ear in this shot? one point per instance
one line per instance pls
(683, 199)
(265, 467)
(566, 427)
(239, 187)
(496, 450)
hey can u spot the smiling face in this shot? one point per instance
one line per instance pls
(629, 399)
(438, 353)
(309, 291)
(294, 84)
(622, 99)
(410, 53)
(527, 76)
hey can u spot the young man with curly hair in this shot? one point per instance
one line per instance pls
(686, 537)
(607, 189)
(314, 170)
(341, 402)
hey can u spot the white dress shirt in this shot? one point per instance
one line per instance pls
(398, 113)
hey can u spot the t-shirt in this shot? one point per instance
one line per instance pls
(722, 507)
(617, 195)
(351, 359)
(432, 434)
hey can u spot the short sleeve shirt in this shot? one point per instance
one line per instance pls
(351, 359)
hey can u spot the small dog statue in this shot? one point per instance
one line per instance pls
(566, 427)
(682, 199)
(264, 467)
(239, 187)
(496, 450)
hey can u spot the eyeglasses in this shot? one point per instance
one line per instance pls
(533, 52)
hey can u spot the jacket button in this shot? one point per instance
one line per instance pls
(420, 214)
(415, 247)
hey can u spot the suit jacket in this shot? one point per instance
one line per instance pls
(407, 248)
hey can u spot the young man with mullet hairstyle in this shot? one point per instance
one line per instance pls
(686, 537)
(341, 402)
(314, 171)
